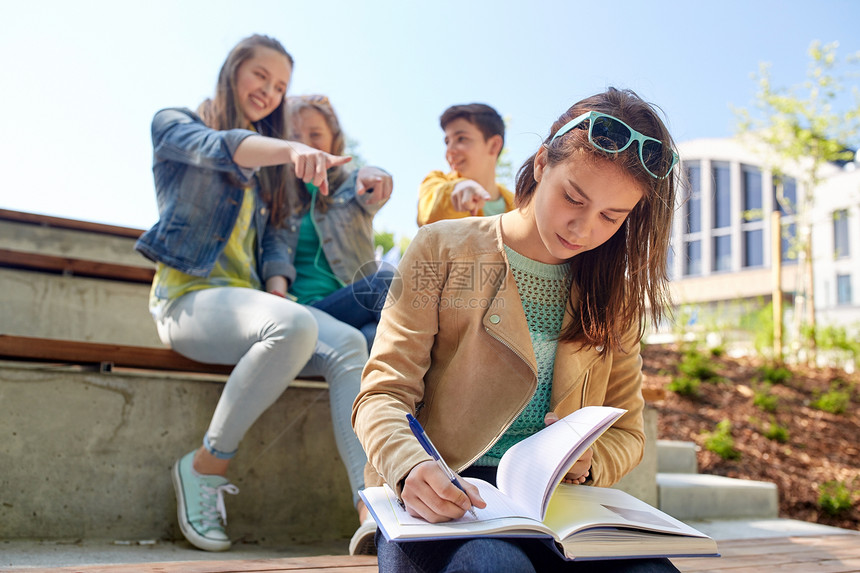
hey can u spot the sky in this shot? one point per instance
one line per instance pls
(82, 79)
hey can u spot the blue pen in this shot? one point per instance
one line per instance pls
(428, 446)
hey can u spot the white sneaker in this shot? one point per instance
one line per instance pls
(363, 542)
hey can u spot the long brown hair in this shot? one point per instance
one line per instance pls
(224, 112)
(618, 280)
(337, 174)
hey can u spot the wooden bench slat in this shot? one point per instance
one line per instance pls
(74, 224)
(80, 267)
(320, 564)
(78, 352)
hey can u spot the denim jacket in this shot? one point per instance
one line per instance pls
(197, 203)
(345, 232)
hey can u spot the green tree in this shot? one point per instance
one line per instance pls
(798, 130)
(383, 239)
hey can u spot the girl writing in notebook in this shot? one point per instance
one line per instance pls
(502, 324)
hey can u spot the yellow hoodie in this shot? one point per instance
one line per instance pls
(434, 198)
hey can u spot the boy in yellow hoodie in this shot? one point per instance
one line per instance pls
(474, 138)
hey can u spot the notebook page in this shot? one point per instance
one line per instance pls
(530, 469)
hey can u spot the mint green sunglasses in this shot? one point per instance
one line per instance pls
(612, 135)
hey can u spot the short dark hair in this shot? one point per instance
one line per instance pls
(482, 116)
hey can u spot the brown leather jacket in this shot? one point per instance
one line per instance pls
(453, 345)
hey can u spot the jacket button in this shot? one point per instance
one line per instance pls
(495, 318)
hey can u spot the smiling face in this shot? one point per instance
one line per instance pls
(578, 205)
(261, 83)
(310, 127)
(466, 150)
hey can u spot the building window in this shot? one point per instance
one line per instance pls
(693, 258)
(693, 211)
(843, 289)
(693, 221)
(789, 243)
(722, 253)
(787, 201)
(722, 195)
(753, 248)
(753, 217)
(841, 246)
(752, 193)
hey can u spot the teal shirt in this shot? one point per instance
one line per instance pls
(314, 277)
(544, 290)
(495, 207)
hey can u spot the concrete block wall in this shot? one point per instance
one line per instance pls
(88, 455)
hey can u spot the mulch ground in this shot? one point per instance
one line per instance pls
(820, 446)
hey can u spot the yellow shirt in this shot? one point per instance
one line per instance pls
(434, 198)
(235, 267)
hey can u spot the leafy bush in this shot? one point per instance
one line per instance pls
(764, 399)
(721, 442)
(759, 322)
(834, 401)
(775, 375)
(839, 340)
(834, 497)
(684, 386)
(697, 365)
(836, 338)
(776, 432)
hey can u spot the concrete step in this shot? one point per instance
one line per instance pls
(677, 457)
(76, 308)
(701, 497)
(93, 245)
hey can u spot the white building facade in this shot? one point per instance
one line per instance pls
(723, 231)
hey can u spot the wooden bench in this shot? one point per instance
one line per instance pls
(824, 553)
(105, 356)
(71, 224)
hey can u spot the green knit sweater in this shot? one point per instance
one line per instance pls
(544, 290)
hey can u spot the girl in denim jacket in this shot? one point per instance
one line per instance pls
(503, 324)
(222, 180)
(329, 243)
(329, 238)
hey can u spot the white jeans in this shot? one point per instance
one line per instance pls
(271, 341)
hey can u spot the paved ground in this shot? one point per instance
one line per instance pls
(75, 553)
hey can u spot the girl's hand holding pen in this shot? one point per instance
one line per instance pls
(430, 495)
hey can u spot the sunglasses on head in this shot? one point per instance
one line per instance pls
(612, 135)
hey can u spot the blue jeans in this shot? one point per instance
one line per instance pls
(496, 555)
(359, 304)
